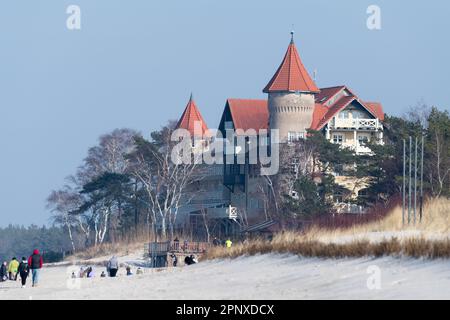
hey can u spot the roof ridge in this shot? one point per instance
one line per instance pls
(252, 99)
(341, 86)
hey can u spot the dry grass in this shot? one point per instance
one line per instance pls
(431, 249)
(319, 242)
(108, 249)
(122, 246)
(435, 221)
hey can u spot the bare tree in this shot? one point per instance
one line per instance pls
(83, 220)
(110, 154)
(440, 154)
(296, 160)
(164, 178)
(419, 113)
(205, 219)
(62, 203)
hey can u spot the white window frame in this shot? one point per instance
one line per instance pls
(363, 138)
(295, 136)
(338, 138)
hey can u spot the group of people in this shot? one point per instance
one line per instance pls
(188, 260)
(23, 269)
(87, 272)
(112, 268)
(217, 243)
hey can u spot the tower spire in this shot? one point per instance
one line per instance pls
(291, 74)
(190, 117)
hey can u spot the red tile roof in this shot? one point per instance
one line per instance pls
(190, 115)
(249, 113)
(291, 75)
(326, 94)
(333, 110)
(319, 113)
(376, 109)
(254, 114)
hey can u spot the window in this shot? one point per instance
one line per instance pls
(290, 136)
(338, 198)
(338, 170)
(295, 165)
(338, 138)
(363, 193)
(295, 136)
(343, 114)
(363, 139)
(228, 125)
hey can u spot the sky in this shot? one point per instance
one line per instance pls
(133, 64)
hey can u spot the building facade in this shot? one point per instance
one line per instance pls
(294, 104)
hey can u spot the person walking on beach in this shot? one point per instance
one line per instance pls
(24, 271)
(112, 266)
(174, 259)
(35, 263)
(3, 272)
(12, 269)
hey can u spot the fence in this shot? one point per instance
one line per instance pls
(375, 213)
(191, 247)
(157, 252)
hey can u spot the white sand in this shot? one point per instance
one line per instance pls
(259, 277)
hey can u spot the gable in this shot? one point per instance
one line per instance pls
(355, 110)
(245, 114)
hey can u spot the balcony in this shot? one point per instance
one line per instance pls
(355, 124)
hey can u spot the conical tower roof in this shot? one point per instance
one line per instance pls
(190, 116)
(291, 74)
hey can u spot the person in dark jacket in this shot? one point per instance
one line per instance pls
(3, 272)
(174, 259)
(190, 260)
(112, 266)
(35, 263)
(23, 271)
(129, 273)
(216, 242)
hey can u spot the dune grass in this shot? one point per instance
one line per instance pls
(318, 242)
(435, 221)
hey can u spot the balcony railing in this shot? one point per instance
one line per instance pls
(359, 124)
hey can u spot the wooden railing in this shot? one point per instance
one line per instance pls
(191, 247)
(162, 248)
(373, 124)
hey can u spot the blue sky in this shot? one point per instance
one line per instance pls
(134, 64)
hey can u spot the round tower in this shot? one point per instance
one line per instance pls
(291, 96)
